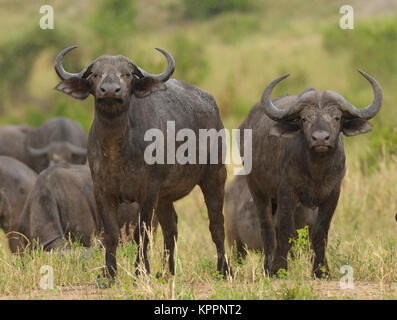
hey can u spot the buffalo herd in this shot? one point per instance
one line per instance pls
(58, 186)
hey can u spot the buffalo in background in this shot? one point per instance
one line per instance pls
(241, 219)
(13, 140)
(16, 182)
(61, 209)
(58, 140)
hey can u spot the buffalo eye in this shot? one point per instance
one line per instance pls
(337, 118)
(303, 119)
(95, 75)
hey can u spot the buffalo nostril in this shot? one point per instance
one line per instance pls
(102, 89)
(117, 90)
(320, 136)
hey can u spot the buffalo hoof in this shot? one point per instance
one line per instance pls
(163, 275)
(103, 282)
(278, 273)
(225, 273)
(229, 272)
(267, 266)
(321, 274)
(321, 271)
(279, 269)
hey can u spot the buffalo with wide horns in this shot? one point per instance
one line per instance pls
(298, 159)
(130, 102)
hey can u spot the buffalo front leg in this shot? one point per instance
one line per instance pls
(141, 233)
(108, 214)
(268, 233)
(320, 234)
(286, 231)
(213, 188)
(168, 220)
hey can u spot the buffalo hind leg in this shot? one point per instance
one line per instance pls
(240, 251)
(168, 220)
(213, 188)
(320, 234)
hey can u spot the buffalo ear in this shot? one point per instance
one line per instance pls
(285, 129)
(145, 86)
(355, 127)
(76, 87)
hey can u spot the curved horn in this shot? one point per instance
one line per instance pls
(162, 77)
(364, 113)
(36, 152)
(77, 150)
(64, 75)
(271, 110)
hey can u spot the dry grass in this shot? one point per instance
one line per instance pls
(363, 235)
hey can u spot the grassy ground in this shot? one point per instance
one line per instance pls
(363, 236)
(233, 56)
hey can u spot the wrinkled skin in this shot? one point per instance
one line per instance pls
(128, 104)
(241, 220)
(12, 142)
(298, 159)
(61, 207)
(16, 181)
(58, 140)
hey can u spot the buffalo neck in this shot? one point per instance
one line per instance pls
(111, 132)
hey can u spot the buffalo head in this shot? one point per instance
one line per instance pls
(321, 115)
(111, 80)
(56, 152)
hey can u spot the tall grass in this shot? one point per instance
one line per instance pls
(362, 235)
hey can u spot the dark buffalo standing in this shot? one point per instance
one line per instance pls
(56, 140)
(241, 219)
(16, 181)
(12, 142)
(128, 102)
(61, 207)
(298, 159)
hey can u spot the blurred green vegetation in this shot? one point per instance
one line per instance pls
(18, 54)
(111, 21)
(232, 49)
(206, 8)
(193, 66)
(371, 47)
